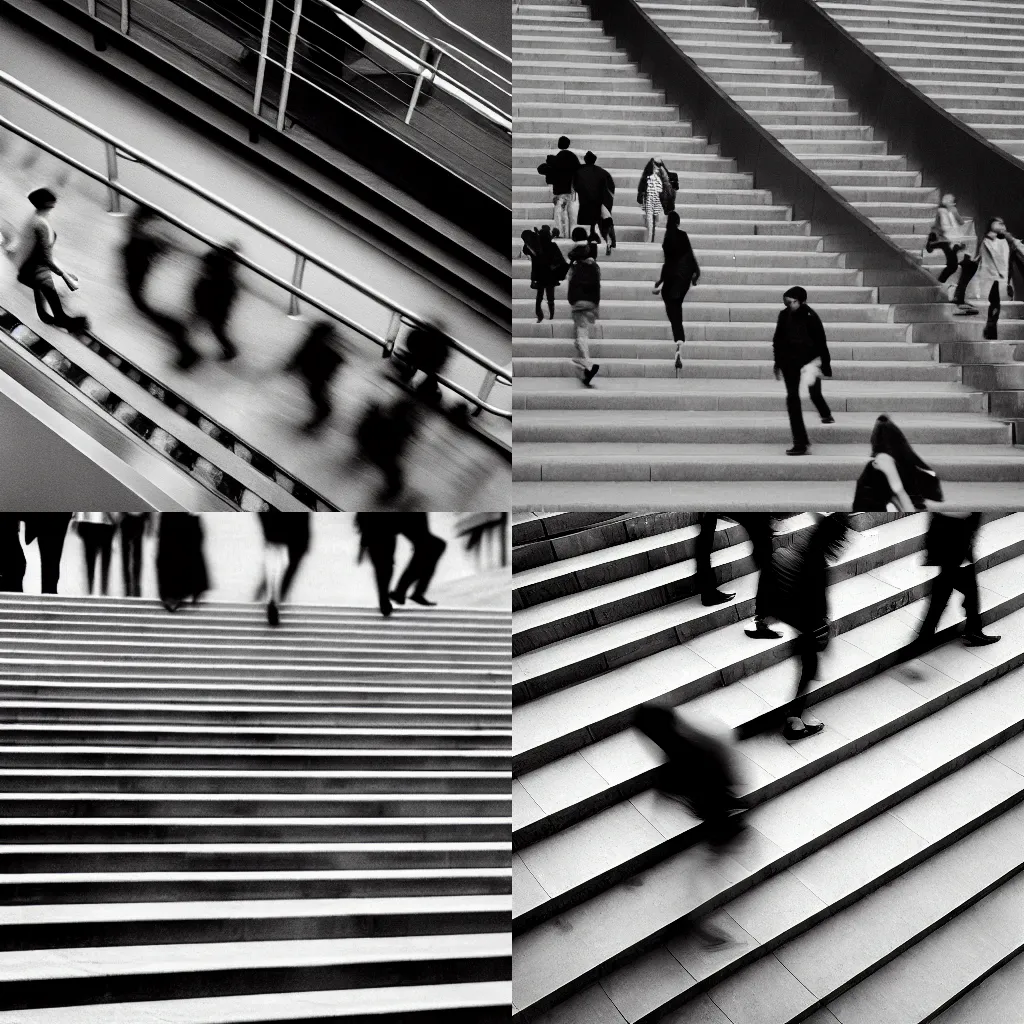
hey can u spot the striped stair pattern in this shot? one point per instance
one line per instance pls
(204, 820)
(964, 55)
(880, 880)
(721, 417)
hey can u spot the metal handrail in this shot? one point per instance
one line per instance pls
(438, 45)
(458, 28)
(399, 313)
(444, 81)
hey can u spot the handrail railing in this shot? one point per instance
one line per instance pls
(301, 254)
(462, 31)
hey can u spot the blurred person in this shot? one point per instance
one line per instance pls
(427, 552)
(948, 235)
(286, 541)
(381, 438)
(317, 359)
(595, 189)
(33, 257)
(97, 532)
(180, 564)
(896, 476)
(12, 555)
(758, 526)
(679, 270)
(799, 596)
(377, 532)
(142, 249)
(215, 291)
(990, 273)
(132, 526)
(801, 360)
(949, 544)
(427, 350)
(700, 772)
(48, 530)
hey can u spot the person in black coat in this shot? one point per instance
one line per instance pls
(12, 555)
(895, 475)
(286, 541)
(678, 272)
(759, 529)
(798, 595)
(316, 361)
(382, 437)
(214, 294)
(48, 530)
(949, 544)
(180, 564)
(801, 353)
(547, 267)
(427, 552)
(140, 252)
(699, 771)
(377, 532)
(595, 190)
(427, 350)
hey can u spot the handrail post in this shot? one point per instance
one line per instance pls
(391, 338)
(261, 70)
(124, 17)
(293, 33)
(297, 272)
(424, 56)
(114, 197)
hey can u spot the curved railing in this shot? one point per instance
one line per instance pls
(399, 314)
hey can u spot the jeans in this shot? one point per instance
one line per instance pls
(584, 314)
(565, 214)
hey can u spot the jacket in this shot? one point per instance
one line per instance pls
(948, 225)
(595, 188)
(585, 282)
(680, 266)
(561, 169)
(993, 256)
(799, 339)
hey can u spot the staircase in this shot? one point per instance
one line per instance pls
(964, 55)
(206, 821)
(705, 433)
(880, 880)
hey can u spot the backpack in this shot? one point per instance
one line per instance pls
(546, 168)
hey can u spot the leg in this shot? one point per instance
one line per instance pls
(942, 588)
(674, 310)
(50, 549)
(570, 214)
(796, 416)
(538, 310)
(219, 326)
(295, 557)
(382, 555)
(91, 544)
(966, 581)
(48, 306)
(951, 261)
(968, 268)
(317, 391)
(549, 291)
(561, 216)
(433, 549)
(819, 400)
(992, 325)
(702, 552)
(106, 544)
(581, 342)
(796, 727)
(759, 530)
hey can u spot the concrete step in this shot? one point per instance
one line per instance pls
(721, 219)
(614, 290)
(758, 309)
(721, 330)
(718, 269)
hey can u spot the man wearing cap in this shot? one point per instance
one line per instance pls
(801, 358)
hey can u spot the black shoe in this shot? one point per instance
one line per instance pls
(980, 639)
(273, 614)
(828, 419)
(797, 449)
(797, 729)
(385, 607)
(762, 631)
(590, 375)
(540, 319)
(420, 599)
(714, 597)
(397, 597)
(965, 309)
(679, 360)
(989, 333)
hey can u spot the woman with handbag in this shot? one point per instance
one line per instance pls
(655, 193)
(896, 476)
(548, 268)
(799, 596)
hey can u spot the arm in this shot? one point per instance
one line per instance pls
(887, 464)
(818, 331)
(777, 346)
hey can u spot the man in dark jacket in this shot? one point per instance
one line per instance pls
(584, 297)
(801, 355)
(49, 529)
(559, 171)
(595, 188)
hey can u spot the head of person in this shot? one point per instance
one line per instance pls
(996, 227)
(888, 439)
(42, 199)
(949, 200)
(672, 221)
(579, 234)
(658, 162)
(322, 332)
(544, 233)
(655, 722)
(590, 158)
(563, 142)
(794, 298)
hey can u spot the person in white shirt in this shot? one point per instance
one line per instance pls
(947, 234)
(97, 532)
(990, 272)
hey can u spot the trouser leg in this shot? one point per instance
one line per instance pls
(674, 310)
(382, 555)
(759, 530)
(993, 309)
(968, 268)
(967, 583)
(702, 552)
(582, 346)
(808, 654)
(942, 588)
(819, 400)
(796, 416)
(951, 261)
(50, 550)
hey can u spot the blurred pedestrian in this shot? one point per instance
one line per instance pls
(427, 552)
(48, 530)
(990, 273)
(427, 350)
(33, 257)
(286, 541)
(215, 291)
(801, 360)
(316, 361)
(896, 476)
(143, 247)
(377, 531)
(758, 526)
(97, 532)
(948, 235)
(132, 527)
(180, 564)
(12, 555)
(699, 771)
(381, 438)
(799, 596)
